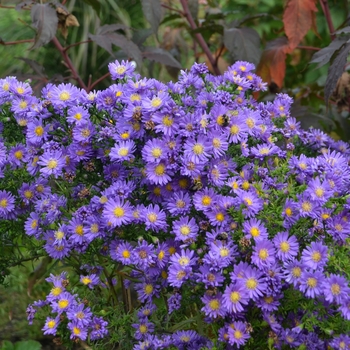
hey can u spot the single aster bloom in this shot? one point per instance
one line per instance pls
(99, 328)
(184, 259)
(205, 199)
(213, 305)
(80, 315)
(117, 212)
(293, 270)
(154, 151)
(287, 247)
(144, 255)
(235, 296)
(84, 131)
(335, 288)
(252, 204)
(64, 95)
(197, 151)
(52, 163)
(63, 303)
(315, 256)
(124, 253)
(156, 102)
(36, 132)
(254, 228)
(77, 331)
(319, 191)
(263, 254)
(122, 151)
(208, 277)
(179, 203)
(158, 174)
(237, 334)
(154, 218)
(7, 204)
(51, 324)
(254, 283)
(185, 228)
(77, 114)
(121, 69)
(311, 283)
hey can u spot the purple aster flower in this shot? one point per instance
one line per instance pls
(64, 302)
(315, 256)
(20, 88)
(251, 202)
(7, 204)
(220, 254)
(318, 191)
(77, 114)
(117, 212)
(123, 150)
(237, 334)
(64, 95)
(121, 69)
(335, 288)
(158, 174)
(179, 203)
(311, 283)
(263, 254)
(254, 284)
(83, 131)
(124, 253)
(235, 296)
(154, 218)
(254, 228)
(143, 329)
(99, 328)
(17, 155)
(80, 315)
(36, 132)
(52, 163)
(293, 271)
(218, 142)
(197, 151)
(144, 255)
(185, 229)
(178, 275)
(184, 338)
(237, 129)
(205, 200)
(290, 213)
(90, 280)
(154, 151)
(208, 277)
(77, 331)
(156, 102)
(213, 305)
(287, 247)
(341, 342)
(146, 291)
(51, 325)
(264, 150)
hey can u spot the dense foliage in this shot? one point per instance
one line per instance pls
(185, 214)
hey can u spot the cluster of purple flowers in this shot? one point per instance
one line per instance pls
(70, 311)
(193, 186)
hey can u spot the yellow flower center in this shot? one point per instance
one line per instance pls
(185, 230)
(56, 291)
(59, 234)
(52, 164)
(316, 256)
(311, 282)
(78, 116)
(168, 121)
(335, 288)
(23, 104)
(220, 217)
(161, 255)
(64, 96)
(234, 130)
(251, 283)
(125, 135)
(157, 152)
(285, 247)
(94, 228)
(148, 289)
(126, 254)
(224, 252)
(214, 304)
(118, 212)
(3, 203)
(216, 143)
(268, 299)
(152, 217)
(86, 280)
(180, 203)
(156, 102)
(235, 296)
(51, 324)
(123, 151)
(19, 154)
(184, 260)
(248, 201)
(143, 328)
(288, 212)
(34, 224)
(255, 232)
(306, 206)
(237, 334)
(135, 97)
(20, 90)
(39, 131)
(206, 200)
(76, 331)
(296, 272)
(79, 230)
(198, 149)
(120, 70)
(263, 254)
(159, 169)
(250, 122)
(319, 192)
(63, 303)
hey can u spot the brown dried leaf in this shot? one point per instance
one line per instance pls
(65, 20)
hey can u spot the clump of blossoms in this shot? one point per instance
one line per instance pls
(216, 219)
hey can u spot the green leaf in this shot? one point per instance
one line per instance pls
(152, 9)
(7, 345)
(170, 18)
(181, 324)
(95, 4)
(27, 345)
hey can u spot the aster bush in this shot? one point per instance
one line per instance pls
(177, 216)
